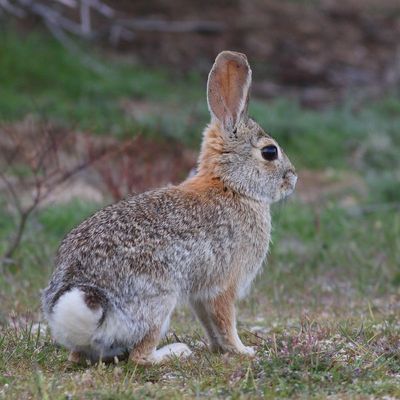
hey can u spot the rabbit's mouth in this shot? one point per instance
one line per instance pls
(289, 182)
(285, 187)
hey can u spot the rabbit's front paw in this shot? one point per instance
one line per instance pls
(236, 349)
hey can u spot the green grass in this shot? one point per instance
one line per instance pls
(324, 315)
(39, 76)
(301, 359)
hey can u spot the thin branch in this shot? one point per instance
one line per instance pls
(158, 25)
(12, 191)
(114, 29)
(85, 18)
(11, 9)
(43, 181)
(60, 35)
(15, 242)
(68, 3)
(101, 8)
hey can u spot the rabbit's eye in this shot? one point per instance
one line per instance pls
(269, 153)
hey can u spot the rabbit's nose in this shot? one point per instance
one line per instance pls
(291, 176)
(289, 173)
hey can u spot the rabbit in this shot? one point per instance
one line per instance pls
(120, 273)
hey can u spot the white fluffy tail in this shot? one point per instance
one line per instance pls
(72, 322)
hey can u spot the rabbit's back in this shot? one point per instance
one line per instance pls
(172, 237)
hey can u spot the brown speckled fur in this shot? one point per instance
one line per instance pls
(202, 241)
(141, 353)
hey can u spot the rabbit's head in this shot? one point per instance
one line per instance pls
(235, 148)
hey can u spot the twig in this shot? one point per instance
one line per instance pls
(46, 175)
(60, 35)
(85, 18)
(101, 8)
(10, 8)
(12, 191)
(68, 3)
(115, 28)
(158, 25)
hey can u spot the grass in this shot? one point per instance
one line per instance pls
(324, 315)
(306, 361)
(324, 318)
(58, 84)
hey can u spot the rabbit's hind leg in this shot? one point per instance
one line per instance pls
(145, 352)
(75, 357)
(151, 315)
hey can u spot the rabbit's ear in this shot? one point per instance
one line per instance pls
(228, 88)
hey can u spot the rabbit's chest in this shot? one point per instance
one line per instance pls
(232, 249)
(237, 252)
(252, 250)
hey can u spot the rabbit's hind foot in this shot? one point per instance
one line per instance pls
(145, 352)
(179, 350)
(163, 355)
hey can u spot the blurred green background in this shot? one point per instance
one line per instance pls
(98, 100)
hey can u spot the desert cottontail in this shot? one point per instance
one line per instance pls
(121, 272)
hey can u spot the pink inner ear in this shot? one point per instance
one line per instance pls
(234, 88)
(228, 87)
